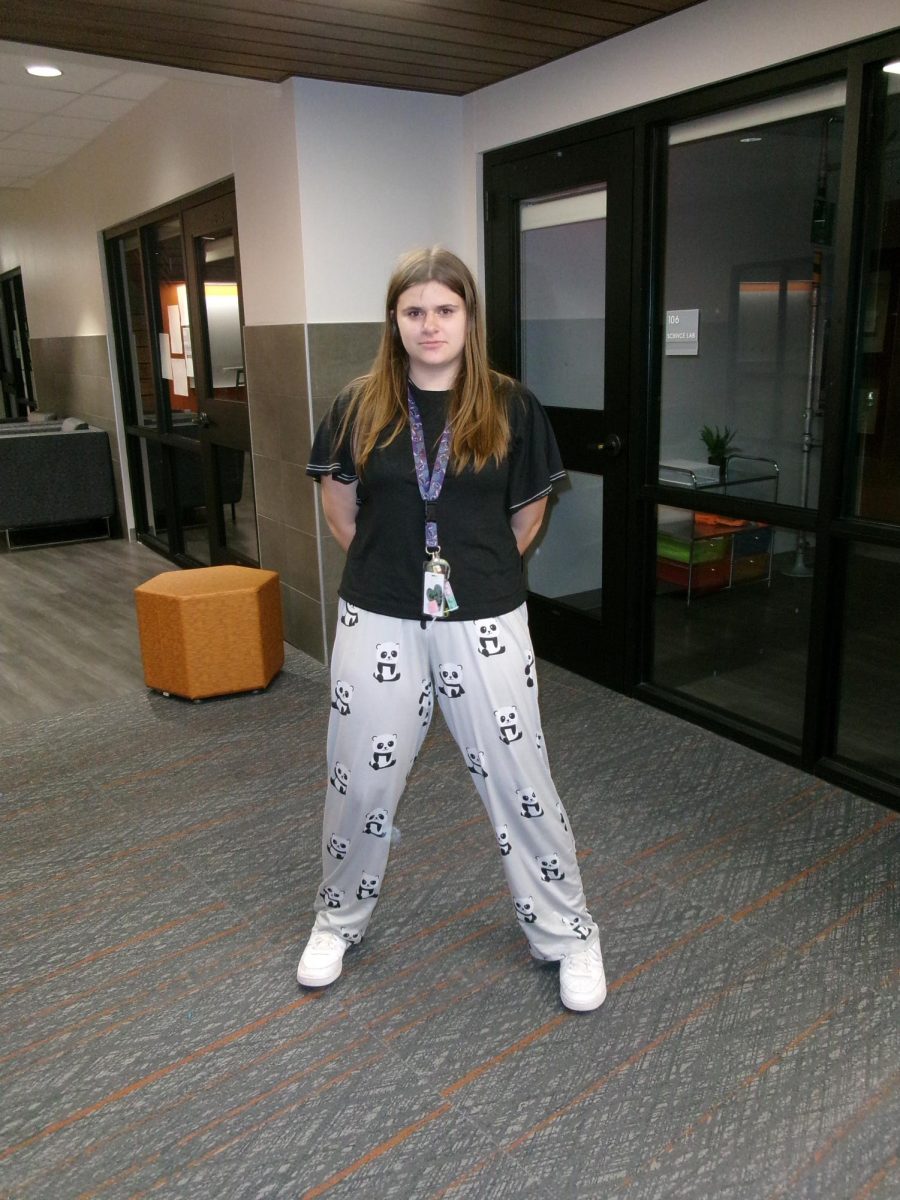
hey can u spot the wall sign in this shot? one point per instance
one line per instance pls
(683, 331)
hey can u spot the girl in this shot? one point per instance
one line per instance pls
(435, 473)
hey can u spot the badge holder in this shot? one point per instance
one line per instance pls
(437, 594)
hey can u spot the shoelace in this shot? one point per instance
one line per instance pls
(585, 964)
(322, 940)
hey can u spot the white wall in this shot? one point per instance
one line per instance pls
(381, 171)
(185, 136)
(267, 190)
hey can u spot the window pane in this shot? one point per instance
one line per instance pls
(554, 567)
(141, 399)
(869, 718)
(174, 334)
(877, 492)
(747, 286)
(563, 297)
(731, 617)
(218, 273)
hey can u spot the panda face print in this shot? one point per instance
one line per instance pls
(531, 806)
(426, 701)
(342, 694)
(386, 660)
(451, 680)
(577, 926)
(340, 778)
(539, 741)
(561, 812)
(349, 614)
(489, 642)
(508, 722)
(529, 669)
(338, 846)
(352, 936)
(383, 747)
(376, 822)
(525, 909)
(368, 887)
(551, 871)
(503, 841)
(332, 896)
(475, 761)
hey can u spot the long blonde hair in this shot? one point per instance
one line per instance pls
(478, 416)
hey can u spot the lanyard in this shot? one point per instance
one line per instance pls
(430, 484)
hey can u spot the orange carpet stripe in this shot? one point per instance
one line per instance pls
(376, 1152)
(96, 955)
(844, 920)
(522, 1044)
(154, 1076)
(91, 1149)
(74, 997)
(838, 1134)
(824, 861)
(876, 1180)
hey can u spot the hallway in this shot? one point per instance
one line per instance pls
(160, 859)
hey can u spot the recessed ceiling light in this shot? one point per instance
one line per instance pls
(746, 140)
(892, 67)
(44, 72)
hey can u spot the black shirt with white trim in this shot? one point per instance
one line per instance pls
(383, 571)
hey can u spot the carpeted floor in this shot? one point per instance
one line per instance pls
(159, 862)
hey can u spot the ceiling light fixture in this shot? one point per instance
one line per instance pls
(893, 68)
(747, 140)
(44, 72)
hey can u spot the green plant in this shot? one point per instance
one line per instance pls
(719, 443)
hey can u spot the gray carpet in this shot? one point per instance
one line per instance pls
(160, 859)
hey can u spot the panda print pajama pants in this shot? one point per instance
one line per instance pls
(386, 675)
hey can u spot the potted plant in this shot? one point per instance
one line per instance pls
(719, 445)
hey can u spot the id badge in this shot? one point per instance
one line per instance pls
(437, 594)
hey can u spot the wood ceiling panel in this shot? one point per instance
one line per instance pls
(445, 46)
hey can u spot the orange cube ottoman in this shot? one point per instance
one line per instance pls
(210, 631)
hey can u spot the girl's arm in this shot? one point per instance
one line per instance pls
(339, 505)
(526, 522)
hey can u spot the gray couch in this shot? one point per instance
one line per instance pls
(54, 474)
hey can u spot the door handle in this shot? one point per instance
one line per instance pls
(611, 445)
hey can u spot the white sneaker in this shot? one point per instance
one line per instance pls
(582, 982)
(322, 960)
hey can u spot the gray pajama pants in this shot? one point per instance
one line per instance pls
(386, 674)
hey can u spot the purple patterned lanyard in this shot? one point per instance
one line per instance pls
(437, 595)
(429, 484)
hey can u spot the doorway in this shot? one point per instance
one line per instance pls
(175, 284)
(558, 248)
(15, 357)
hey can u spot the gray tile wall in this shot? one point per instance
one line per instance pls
(72, 379)
(286, 405)
(337, 354)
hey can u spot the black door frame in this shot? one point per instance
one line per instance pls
(856, 63)
(592, 647)
(211, 204)
(15, 351)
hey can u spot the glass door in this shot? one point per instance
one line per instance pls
(563, 331)
(218, 376)
(175, 283)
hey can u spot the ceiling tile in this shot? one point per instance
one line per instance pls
(32, 99)
(130, 87)
(104, 108)
(61, 125)
(26, 140)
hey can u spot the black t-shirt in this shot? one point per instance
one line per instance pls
(384, 568)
